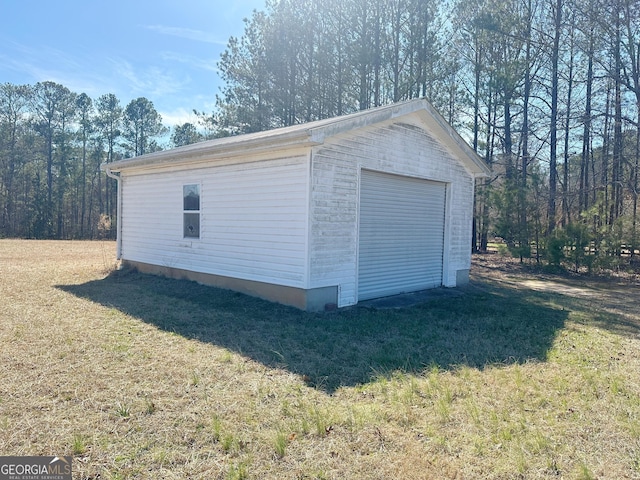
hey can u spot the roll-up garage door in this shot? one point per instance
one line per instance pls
(401, 234)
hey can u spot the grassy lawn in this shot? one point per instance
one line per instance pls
(515, 376)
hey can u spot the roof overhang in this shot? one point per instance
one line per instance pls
(435, 122)
(308, 135)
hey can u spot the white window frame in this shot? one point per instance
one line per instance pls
(188, 226)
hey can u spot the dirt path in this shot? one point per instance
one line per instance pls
(616, 294)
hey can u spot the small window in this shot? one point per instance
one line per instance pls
(191, 210)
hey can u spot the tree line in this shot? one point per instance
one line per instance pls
(52, 143)
(546, 91)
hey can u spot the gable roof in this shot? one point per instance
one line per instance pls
(310, 134)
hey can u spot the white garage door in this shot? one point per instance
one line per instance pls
(401, 234)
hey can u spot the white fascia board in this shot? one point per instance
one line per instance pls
(444, 133)
(204, 152)
(319, 131)
(308, 135)
(452, 139)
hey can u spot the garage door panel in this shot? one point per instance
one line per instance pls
(401, 234)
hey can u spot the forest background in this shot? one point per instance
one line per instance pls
(547, 92)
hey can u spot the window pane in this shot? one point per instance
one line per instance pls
(191, 195)
(192, 225)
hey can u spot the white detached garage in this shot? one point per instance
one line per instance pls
(362, 206)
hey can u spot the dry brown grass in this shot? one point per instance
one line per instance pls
(140, 377)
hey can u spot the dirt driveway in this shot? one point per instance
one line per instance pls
(618, 293)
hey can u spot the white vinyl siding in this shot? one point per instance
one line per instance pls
(405, 149)
(284, 207)
(401, 234)
(253, 221)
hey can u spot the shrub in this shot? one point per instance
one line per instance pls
(554, 248)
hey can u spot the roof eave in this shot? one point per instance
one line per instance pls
(472, 161)
(212, 150)
(475, 164)
(365, 118)
(307, 136)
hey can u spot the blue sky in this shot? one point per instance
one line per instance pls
(165, 50)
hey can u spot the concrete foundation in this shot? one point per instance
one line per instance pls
(312, 300)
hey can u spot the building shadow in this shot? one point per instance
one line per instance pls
(482, 324)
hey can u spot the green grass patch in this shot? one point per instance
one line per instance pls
(515, 376)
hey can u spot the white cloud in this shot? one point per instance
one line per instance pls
(45, 63)
(178, 116)
(174, 82)
(203, 64)
(151, 81)
(187, 33)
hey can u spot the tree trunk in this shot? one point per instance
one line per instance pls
(566, 213)
(553, 156)
(583, 203)
(523, 229)
(616, 164)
